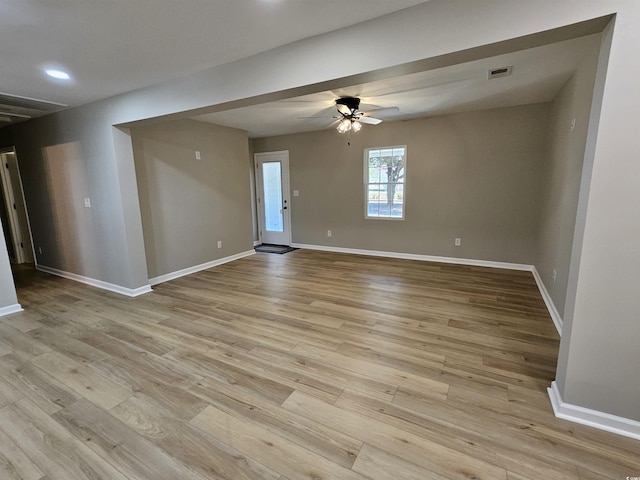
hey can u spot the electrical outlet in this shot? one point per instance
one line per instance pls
(554, 275)
(457, 242)
(87, 202)
(573, 125)
(219, 243)
(328, 233)
(198, 157)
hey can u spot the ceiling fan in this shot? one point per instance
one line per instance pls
(351, 118)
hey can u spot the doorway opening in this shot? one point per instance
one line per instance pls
(15, 220)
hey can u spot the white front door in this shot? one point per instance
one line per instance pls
(272, 185)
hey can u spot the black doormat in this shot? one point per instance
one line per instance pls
(268, 248)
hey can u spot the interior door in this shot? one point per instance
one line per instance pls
(14, 220)
(272, 196)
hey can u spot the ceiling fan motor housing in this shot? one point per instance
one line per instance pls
(352, 118)
(352, 103)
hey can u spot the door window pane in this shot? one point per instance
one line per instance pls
(272, 175)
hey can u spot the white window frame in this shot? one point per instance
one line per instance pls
(367, 183)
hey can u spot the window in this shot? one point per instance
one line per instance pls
(384, 175)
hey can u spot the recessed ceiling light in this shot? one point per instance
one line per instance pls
(58, 74)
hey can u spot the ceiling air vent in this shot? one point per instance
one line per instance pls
(499, 72)
(12, 116)
(9, 100)
(14, 109)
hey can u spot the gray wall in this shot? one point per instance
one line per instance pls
(252, 186)
(187, 205)
(63, 160)
(598, 362)
(561, 181)
(473, 175)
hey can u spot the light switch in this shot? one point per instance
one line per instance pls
(87, 202)
(296, 193)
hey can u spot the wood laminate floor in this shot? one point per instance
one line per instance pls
(308, 365)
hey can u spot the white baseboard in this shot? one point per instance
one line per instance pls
(555, 315)
(414, 256)
(256, 243)
(129, 292)
(592, 418)
(8, 310)
(198, 268)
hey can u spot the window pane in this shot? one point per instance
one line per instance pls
(373, 200)
(398, 193)
(373, 154)
(374, 175)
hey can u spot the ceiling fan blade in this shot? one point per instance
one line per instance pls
(343, 109)
(381, 111)
(369, 120)
(316, 117)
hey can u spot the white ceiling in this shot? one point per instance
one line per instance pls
(537, 76)
(115, 46)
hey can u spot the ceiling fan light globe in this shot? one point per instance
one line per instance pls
(344, 126)
(356, 126)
